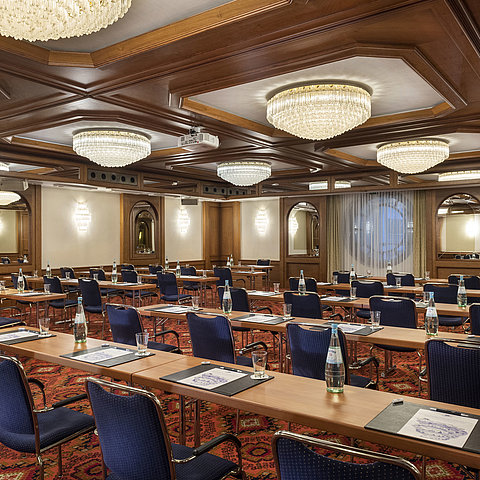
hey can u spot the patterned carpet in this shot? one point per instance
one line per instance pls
(82, 456)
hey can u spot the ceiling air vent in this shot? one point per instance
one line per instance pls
(112, 177)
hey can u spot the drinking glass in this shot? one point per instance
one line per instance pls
(2, 285)
(259, 360)
(335, 279)
(44, 325)
(426, 297)
(369, 273)
(287, 311)
(427, 275)
(35, 273)
(252, 269)
(276, 287)
(398, 281)
(114, 277)
(353, 293)
(95, 276)
(46, 288)
(375, 318)
(139, 279)
(195, 302)
(239, 263)
(67, 275)
(142, 343)
(204, 273)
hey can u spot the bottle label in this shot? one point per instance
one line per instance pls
(334, 356)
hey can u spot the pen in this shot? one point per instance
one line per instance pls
(450, 412)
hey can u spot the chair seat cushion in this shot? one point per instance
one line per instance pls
(175, 298)
(245, 361)
(54, 425)
(194, 288)
(61, 303)
(94, 308)
(363, 313)
(445, 321)
(7, 321)
(165, 347)
(359, 381)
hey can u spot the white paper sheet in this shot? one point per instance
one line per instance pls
(349, 328)
(29, 294)
(5, 337)
(334, 299)
(174, 309)
(439, 427)
(257, 318)
(101, 355)
(216, 377)
(260, 292)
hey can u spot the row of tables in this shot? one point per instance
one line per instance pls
(286, 397)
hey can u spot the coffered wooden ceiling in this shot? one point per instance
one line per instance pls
(167, 66)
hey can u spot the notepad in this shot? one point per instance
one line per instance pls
(336, 299)
(262, 293)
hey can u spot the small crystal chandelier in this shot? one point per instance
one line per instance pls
(111, 148)
(413, 156)
(319, 111)
(43, 20)
(244, 173)
(6, 198)
(456, 176)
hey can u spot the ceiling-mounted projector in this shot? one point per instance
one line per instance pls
(198, 141)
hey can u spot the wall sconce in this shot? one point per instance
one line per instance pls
(82, 217)
(261, 221)
(183, 221)
(292, 226)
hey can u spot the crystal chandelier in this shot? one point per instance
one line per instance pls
(6, 198)
(413, 156)
(319, 111)
(111, 148)
(34, 20)
(244, 173)
(456, 176)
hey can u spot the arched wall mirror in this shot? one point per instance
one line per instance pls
(15, 232)
(458, 227)
(144, 226)
(303, 230)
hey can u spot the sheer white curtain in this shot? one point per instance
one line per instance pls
(374, 229)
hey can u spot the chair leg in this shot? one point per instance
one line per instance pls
(60, 465)
(41, 468)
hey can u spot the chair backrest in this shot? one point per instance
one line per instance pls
(442, 293)
(100, 272)
(264, 262)
(129, 276)
(309, 349)
(17, 419)
(153, 269)
(5, 260)
(90, 290)
(126, 266)
(64, 270)
(471, 282)
(188, 270)
(167, 283)
(342, 276)
(366, 288)
(307, 306)
(395, 311)
(124, 323)
(55, 284)
(453, 373)
(240, 301)
(15, 281)
(211, 337)
(474, 315)
(310, 284)
(406, 279)
(144, 449)
(223, 274)
(295, 459)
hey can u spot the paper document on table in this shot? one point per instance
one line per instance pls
(102, 355)
(213, 378)
(324, 283)
(439, 427)
(174, 309)
(5, 337)
(263, 293)
(349, 328)
(29, 294)
(335, 299)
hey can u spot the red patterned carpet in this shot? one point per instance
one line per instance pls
(82, 456)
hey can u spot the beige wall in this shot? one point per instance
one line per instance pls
(186, 246)
(255, 245)
(63, 244)
(460, 233)
(8, 232)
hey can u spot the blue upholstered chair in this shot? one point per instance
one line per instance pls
(471, 282)
(212, 338)
(24, 428)
(24, 303)
(125, 322)
(131, 276)
(307, 306)
(295, 459)
(475, 319)
(11, 316)
(309, 349)
(310, 284)
(453, 373)
(343, 276)
(366, 289)
(64, 304)
(92, 299)
(145, 451)
(264, 262)
(445, 294)
(189, 286)
(126, 266)
(167, 284)
(63, 273)
(154, 269)
(105, 292)
(406, 280)
(395, 312)
(224, 274)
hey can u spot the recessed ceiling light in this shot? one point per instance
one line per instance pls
(456, 176)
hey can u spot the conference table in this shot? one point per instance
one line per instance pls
(286, 397)
(266, 269)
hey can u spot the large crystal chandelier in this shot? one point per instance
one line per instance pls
(244, 173)
(413, 156)
(6, 198)
(319, 111)
(457, 176)
(111, 148)
(34, 20)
